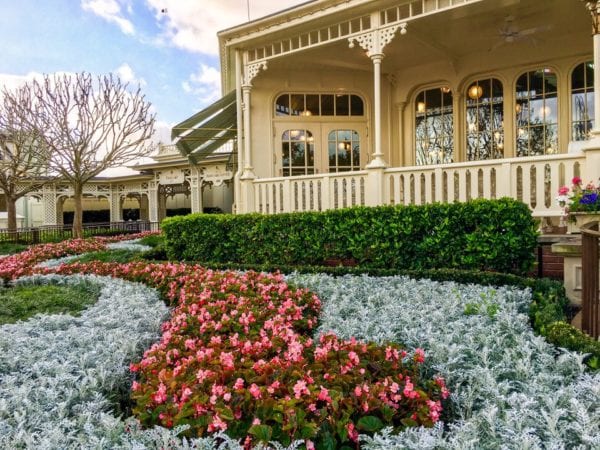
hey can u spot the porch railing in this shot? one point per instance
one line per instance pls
(533, 180)
(310, 193)
(590, 267)
(54, 233)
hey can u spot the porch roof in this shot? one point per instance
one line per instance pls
(199, 136)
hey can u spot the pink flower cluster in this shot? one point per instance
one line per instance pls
(237, 355)
(22, 264)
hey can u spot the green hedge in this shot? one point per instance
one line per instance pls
(497, 235)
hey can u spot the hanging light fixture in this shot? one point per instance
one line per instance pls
(475, 92)
(420, 107)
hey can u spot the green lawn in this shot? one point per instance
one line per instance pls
(23, 302)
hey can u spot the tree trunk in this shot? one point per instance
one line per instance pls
(78, 216)
(11, 212)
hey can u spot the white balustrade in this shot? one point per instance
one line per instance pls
(309, 193)
(534, 181)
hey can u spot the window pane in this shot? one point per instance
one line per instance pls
(433, 126)
(356, 106)
(550, 81)
(342, 105)
(578, 77)
(582, 101)
(282, 105)
(312, 104)
(327, 108)
(297, 104)
(485, 119)
(537, 114)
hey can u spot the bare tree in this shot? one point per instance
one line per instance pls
(88, 125)
(23, 155)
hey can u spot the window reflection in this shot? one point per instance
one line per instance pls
(536, 112)
(298, 153)
(582, 101)
(485, 120)
(344, 150)
(434, 126)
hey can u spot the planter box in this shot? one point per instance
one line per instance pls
(577, 219)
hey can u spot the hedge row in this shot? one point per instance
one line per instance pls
(498, 235)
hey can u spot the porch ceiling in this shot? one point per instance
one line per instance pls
(479, 28)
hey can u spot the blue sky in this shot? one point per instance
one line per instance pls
(172, 55)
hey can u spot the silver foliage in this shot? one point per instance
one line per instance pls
(510, 389)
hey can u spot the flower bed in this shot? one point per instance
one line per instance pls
(60, 375)
(237, 356)
(510, 388)
(22, 264)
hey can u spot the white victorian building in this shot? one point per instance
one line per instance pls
(360, 102)
(167, 185)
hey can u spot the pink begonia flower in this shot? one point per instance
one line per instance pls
(352, 433)
(186, 393)
(255, 391)
(324, 395)
(239, 384)
(353, 357)
(217, 424)
(256, 421)
(310, 445)
(419, 355)
(576, 181)
(300, 388)
(160, 396)
(564, 190)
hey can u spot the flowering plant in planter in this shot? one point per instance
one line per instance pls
(579, 198)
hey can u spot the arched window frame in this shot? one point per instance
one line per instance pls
(434, 125)
(484, 119)
(537, 112)
(582, 101)
(325, 104)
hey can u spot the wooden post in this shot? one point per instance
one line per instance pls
(590, 320)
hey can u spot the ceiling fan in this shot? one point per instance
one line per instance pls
(511, 33)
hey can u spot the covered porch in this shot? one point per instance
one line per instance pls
(371, 103)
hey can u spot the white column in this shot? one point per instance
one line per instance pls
(591, 149)
(153, 201)
(596, 130)
(248, 173)
(377, 161)
(239, 142)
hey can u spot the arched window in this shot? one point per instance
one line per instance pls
(434, 126)
(298, 153)
(537, 113)
(485, 120)
(582, 101)
(344, 150)
(305, 105)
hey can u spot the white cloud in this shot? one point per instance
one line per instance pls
(11, 81)
(205, 84)
(193, 25)
(127, 75)
(110, 10)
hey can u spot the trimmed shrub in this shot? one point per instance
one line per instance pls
(497, 235)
